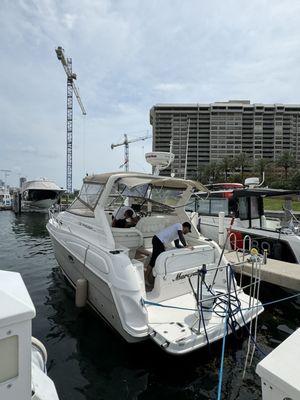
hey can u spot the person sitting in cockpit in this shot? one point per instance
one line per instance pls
(127, 221)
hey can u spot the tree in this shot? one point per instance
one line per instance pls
(209, 173)
(226, 166)
(242, 161)
(286, 161)
(261, 165)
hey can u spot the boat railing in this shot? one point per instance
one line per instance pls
(234, 242)
(245, 249)
(54, 210)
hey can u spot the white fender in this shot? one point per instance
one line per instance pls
(81, 292)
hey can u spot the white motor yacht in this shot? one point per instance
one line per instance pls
(245, 219)
(39, 194)
(23, 373)
(194, 290)
(5, 199)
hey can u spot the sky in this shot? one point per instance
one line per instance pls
(129, 55)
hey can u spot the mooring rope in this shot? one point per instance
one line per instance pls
(152, 303)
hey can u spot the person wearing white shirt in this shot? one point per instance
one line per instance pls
(173, 233)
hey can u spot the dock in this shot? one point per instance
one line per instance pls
(277, 272)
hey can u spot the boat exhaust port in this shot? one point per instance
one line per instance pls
(81, 292)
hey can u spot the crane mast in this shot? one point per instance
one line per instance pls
(125, 143)
(71, 87)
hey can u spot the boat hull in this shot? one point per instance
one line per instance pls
(38, 205)
(100, 296)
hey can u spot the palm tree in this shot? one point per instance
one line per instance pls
(227, 165)
(213, 171)
(261, 164)
(286, 160)
(242, 161)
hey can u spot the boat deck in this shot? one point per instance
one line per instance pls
(177, 324)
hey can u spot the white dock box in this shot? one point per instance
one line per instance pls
(280, 370)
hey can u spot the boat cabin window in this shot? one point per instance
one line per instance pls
(86, 202)
(168, 196)
(254, 208)
(250, 208)
(243, 208)
(213, 206)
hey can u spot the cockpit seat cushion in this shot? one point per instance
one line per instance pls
(177, 260)
(149, 226)
(127, 237)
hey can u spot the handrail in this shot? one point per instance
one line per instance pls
(233, 234)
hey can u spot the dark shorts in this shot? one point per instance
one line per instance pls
(158, 248)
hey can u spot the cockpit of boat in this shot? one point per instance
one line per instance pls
(157, 202)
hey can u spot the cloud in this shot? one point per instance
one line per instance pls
(129, 55)
(169, 87)
(29, 149)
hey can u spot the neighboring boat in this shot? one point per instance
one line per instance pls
(245, 217)
(39, 194)
(23, 373)
(187, 307)
(5, 199)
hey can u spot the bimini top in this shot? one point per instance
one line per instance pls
(134, 179)
(258, 192)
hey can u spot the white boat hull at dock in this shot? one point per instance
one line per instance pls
(38, 205)
(90, 250)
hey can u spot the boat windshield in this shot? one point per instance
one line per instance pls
(87, 199)
(162, 199)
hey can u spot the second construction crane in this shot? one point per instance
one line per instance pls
(71, 87)
(125, 143)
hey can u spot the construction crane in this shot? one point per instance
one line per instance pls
(125, 143)
(6, 173)
(71, 87)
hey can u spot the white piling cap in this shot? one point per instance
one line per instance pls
(16, 304)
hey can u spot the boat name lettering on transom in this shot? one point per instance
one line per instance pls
(183, 276)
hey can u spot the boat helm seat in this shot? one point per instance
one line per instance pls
(130, 238)
(173, 267)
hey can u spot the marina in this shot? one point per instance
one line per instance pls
(149, 200)
(77, 340)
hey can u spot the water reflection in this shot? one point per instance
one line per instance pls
(32, 224)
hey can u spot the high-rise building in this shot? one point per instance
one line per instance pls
(22, 181)
(210, 132)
